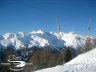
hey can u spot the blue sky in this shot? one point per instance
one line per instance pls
(30, 15)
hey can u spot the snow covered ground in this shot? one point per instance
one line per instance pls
(41, 39)
(85, 62)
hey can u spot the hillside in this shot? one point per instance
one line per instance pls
(85, 62)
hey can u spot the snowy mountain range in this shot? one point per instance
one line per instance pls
(85, 62)
(59, 47)
(40, 39)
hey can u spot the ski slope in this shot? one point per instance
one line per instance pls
(85, 62)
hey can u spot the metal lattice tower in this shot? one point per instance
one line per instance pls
(89, 31)
(89, 28)
(58, 24)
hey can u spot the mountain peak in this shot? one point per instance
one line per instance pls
(40, 39)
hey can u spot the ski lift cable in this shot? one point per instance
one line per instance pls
(42, 10)
(34, 7)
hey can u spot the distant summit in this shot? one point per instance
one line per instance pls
(40, 39)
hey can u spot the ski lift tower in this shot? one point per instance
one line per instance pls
(89, 31)
(89, 26)
(58, 24)
(58, 27)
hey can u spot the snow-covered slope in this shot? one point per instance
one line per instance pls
(41, 39)
(83, 63)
